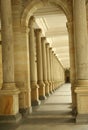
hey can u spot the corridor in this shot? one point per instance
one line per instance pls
(53, 114)
(59, 101)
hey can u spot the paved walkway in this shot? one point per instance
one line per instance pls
(50, 114)
(60, 100)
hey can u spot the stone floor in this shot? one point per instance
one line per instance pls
(52, 114)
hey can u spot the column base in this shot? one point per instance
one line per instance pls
(25, 111)
(9, 103)
(81, 91)
(53, 90)
(24, 98)
(36, 103)
(50, 87)
(10, 118)
(74, 111)
(74, 100)
(53, 86)
(82, 118)
(34, 93)
(42, 97)
(47, 94)
(41, 90)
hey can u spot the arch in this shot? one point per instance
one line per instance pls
(33, 5)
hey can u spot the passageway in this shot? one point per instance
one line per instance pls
(43, 45)
(56, 108)
(59, 101)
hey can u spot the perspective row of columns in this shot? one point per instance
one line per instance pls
(46, 72)
(9, 94)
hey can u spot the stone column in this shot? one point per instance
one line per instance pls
(72, 51)
(54, 69)
(38, 33)
(48, 67)
(55, 73)
(44, 61)
(72, 63)
(58, 70)
(55, 76)
(21, 59)
(33, 64)
(51, 68)
(9, 101)
(81, 42)
(1, 76)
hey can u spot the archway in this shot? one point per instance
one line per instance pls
(33, 6)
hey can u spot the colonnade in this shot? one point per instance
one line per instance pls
(46, 72)
(37, 72)
(41, 74)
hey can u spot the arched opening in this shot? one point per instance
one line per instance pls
(21, 44)
(52, 21)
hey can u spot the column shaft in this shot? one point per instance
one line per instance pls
(48, 67)
(9, 93)
(33, 64)
(44, 61)
(81, 38)
(81, 43)
(51, 69)
(39, 64)
(7, 42)
(72, 62)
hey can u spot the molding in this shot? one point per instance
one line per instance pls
(10, 118)
(32, 5)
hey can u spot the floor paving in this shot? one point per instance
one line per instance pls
(53, 114)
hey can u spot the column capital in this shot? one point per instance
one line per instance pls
(38, 31)
(53, 52)
(50, 49)
(43, 39)
(47, 44)
(31, 21)
(69, 26)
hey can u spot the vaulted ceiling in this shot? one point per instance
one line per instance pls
(52, 21)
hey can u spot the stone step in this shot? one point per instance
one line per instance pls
(40, 120)
(52, 117)
(60, 112)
